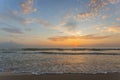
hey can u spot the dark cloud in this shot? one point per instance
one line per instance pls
(61, 38)
(11, 29)
(71, 25)
(10, 44)
(112, 44)
(8, 17)
(68, 27)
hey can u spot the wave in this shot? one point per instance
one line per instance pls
(61, 49)
(66, 53)
(41, 73)
(72, 49)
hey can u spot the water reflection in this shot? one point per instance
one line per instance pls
(55, 63)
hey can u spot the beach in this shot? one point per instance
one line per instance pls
(89, 64)
(74, 76)
(59, 40)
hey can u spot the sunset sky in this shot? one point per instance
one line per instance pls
(60, 23)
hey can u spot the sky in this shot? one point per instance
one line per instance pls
(60, 23)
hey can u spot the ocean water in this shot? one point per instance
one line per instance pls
(60, 60)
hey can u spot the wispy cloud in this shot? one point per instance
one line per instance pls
(94, 8)
(114, 29)
(104, 17)
(25, 21)
(10, 17)
(27, 7)
(68, 27)
(61, 38)
(108, 29)
(83, 16)
(92, 11)
(42, 22)
(118, 19)
(97, 5)
(65, 26)
(12, 30)
(114, 1)
(10, 44)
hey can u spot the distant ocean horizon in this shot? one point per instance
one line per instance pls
(60, 60)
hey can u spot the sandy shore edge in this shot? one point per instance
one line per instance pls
(74, 76)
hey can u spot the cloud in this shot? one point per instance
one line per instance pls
(61, 38)
(28, 29)
(104, 17)
(114, 1)
(10, 17)
(94, 9)
(83, 16)
(28, 21)
(3, 16)
(109, 29)
(69, 24)
(14, 12)
(10, 44)
(109, 44)
(12, 30)
(27, 7)
(118, 19)
(65, 26)
(97, 5)
(114, 29)
(42, 22)
(24, 21)
(68, 27)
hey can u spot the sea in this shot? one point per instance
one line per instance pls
(60, 60)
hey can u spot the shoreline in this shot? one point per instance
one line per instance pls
(66, 76)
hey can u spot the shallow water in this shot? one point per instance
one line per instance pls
(60, 61)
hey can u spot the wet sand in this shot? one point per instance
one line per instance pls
(13, 76)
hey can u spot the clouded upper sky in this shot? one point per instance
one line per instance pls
(60, 23)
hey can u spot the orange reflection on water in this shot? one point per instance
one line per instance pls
(74, 59)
